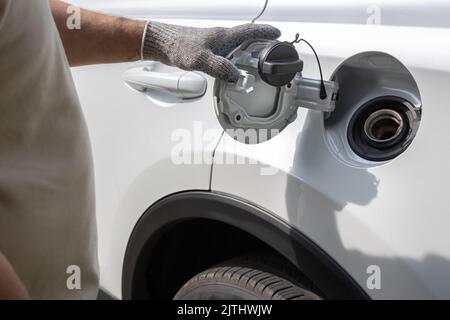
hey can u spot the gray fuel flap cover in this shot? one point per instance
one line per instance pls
(252, 111)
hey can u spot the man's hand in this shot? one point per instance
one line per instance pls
(201, 49)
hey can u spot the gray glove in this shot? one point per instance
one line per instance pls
(201, 49)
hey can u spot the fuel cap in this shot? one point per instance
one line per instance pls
(279, 63)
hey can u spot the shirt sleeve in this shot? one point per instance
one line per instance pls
(4, 8)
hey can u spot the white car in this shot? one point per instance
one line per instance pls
(347, 202)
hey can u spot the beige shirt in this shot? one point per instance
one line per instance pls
(47, 221)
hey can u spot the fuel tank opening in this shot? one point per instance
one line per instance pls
(378, 131)
(383, 126)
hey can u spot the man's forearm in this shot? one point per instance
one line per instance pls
(101, 39)
(106, 39)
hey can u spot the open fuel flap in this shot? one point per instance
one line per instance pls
(270, 89)
(378, 113)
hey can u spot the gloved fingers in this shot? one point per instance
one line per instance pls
(239, 34)
(217, 66)
(255, 31)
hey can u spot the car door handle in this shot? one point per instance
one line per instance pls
(180, 85)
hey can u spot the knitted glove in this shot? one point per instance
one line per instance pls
(201, 49)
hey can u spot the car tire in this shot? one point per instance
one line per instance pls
(252, 277)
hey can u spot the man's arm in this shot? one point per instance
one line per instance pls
(107, 39)
(101, 39)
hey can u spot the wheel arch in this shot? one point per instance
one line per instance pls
(261, 226)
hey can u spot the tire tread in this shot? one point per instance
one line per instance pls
(267, 276)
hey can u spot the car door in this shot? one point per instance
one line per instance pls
(143, 149)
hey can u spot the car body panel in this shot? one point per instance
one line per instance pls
(393, 216)
(418, 13)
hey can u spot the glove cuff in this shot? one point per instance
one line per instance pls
(144, 36)
(157, 38)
